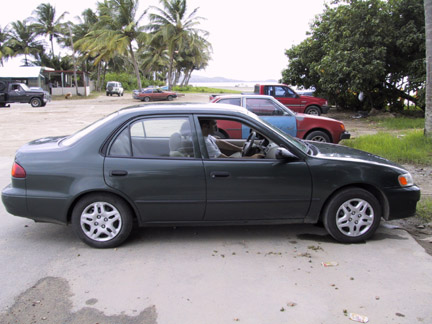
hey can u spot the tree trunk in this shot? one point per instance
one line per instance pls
(428, 109)
(135, 64)
(98, 82)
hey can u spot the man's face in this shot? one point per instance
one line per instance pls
(210, 128)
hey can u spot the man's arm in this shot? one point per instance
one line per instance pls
(224, 145)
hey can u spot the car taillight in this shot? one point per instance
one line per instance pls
(18, 171)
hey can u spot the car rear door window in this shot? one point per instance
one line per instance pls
(169, 137)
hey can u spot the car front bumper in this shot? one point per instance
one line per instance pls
(345, 135)
(402, 202)
(325, 109)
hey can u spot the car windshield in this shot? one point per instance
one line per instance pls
(301, 145)
(25, 87)
(70, 140)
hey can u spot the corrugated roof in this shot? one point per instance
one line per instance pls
(21, 72)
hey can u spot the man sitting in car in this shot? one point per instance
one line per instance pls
(214, 145)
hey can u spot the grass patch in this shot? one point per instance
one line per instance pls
(424, 209)
(192, 89)
(409, 147)
(399, 122)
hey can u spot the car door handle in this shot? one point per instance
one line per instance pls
(118, 173)
(220, 174)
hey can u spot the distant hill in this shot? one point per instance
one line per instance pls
(203, 79)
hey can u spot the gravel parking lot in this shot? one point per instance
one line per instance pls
(262, 274)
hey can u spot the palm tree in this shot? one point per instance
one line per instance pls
(175, 27)
(5, 50)
(153, 56)
(428, 110)
(23, 40)
(194, 57)
(47, 24)
(115, 32)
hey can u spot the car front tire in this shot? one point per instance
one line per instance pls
(102, 220)
(35, 102)
(313, 110)
(318, 136)
(352, 215)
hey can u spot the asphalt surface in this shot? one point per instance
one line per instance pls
(262, 274)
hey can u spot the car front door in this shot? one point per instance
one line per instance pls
(17, 94)
(153, 162)
(263, 190)
(272, 113)
(286, 96)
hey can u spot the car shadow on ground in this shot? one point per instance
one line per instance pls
(58, 235)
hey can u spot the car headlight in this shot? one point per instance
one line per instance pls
(406, 180)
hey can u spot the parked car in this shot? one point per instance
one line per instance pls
(294, 101)
(150, 165)
(114, 87)
(153, 94)
(11, 92)
(309, 127)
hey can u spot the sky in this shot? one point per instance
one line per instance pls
(249, 38)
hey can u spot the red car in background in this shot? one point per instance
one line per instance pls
(153, 94)
(308, 127)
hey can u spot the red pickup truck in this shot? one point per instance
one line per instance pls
(297, 103)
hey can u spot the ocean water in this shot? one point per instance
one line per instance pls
(225, 85)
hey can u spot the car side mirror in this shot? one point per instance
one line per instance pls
(283, 154)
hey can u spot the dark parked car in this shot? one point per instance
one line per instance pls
(153, 94)
(151, 164)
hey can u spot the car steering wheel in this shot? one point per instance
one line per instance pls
(247, 147)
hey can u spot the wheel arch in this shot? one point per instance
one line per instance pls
(379, 195)
(100, 191)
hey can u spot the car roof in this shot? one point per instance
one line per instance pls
(198, 108)
(245, 96)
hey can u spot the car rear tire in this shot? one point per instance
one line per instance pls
(35, 102)
(352, 215)
(169, 98)
(318, 136)
(313, 110)
(102, 220)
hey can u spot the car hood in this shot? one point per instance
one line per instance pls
(344, 153)
(313, 99)
(301, 117)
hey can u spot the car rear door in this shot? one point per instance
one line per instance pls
(146, 163)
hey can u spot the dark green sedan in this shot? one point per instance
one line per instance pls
(161, 165)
